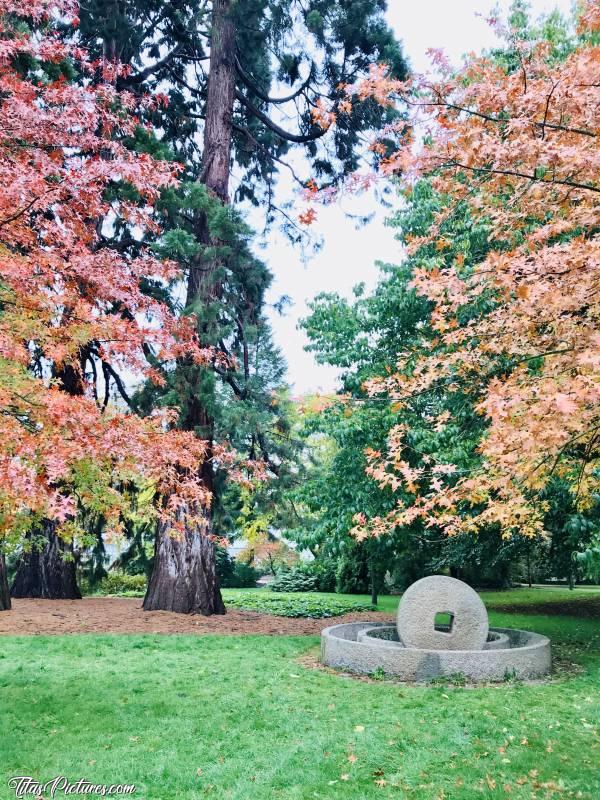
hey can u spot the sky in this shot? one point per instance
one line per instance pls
(349, 254)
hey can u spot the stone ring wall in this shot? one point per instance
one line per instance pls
(525, 656)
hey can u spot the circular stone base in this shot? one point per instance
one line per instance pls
(387, 636)
(353, 646)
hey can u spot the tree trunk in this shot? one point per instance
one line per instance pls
(4, 592)
(184, 578)
(48, 569)
(374, 594)
(216, 153)
(375, 580)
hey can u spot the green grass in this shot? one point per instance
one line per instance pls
(236, 718)
(559, 601)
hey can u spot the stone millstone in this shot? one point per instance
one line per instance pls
(439, 595)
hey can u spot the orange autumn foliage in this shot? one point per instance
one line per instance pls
(63, 288)
(520, 149)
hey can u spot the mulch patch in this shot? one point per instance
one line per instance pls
(125, 615)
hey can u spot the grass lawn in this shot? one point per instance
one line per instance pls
(584, 601)
(187, 717)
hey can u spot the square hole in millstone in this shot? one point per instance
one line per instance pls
(443, 621)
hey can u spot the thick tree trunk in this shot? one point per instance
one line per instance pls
(48, 569)
(184, 578)
(4, 592)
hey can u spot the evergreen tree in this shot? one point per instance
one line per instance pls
(234, 71)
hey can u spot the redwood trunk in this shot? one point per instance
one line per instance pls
(47, 570)
(184, 577)
(4, 592)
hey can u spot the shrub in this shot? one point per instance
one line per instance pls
(122, 583)
(225, 565)
(324, 570)
(352, 575)
(244, 576)
(235, 574)
(299, 579)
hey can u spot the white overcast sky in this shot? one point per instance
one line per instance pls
(349, 255)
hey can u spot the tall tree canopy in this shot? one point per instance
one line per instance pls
(275, 65)
(513, 142)
(246, 82)
(72, 308)
(362, 336)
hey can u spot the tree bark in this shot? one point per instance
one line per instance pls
(4, 591)
(184, 577)
(47, 571)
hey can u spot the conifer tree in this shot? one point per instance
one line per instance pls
(249, 80)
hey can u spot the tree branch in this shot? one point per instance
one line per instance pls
(141, 76)
(108, 373)
(263, 95)
(298, 138)
(256, 143)
(513, 173)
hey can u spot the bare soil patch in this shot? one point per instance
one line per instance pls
(125, 615)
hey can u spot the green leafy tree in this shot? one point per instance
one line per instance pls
(363, 337)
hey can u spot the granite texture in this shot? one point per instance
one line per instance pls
(387, 636)
(527, 656)
(441, 594)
